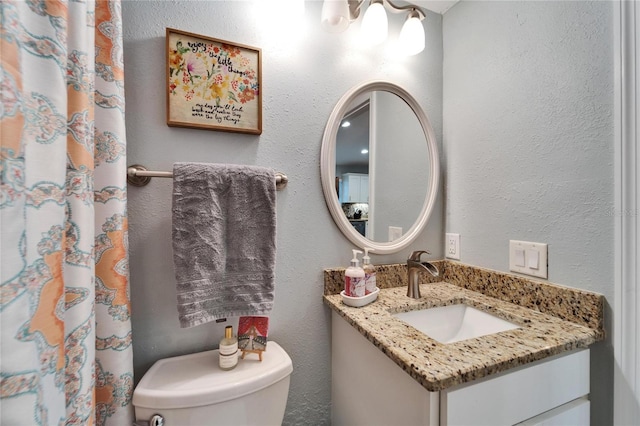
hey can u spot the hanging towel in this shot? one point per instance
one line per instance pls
(224, 240)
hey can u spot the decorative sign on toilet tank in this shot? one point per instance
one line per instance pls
(252, 333)
(213, 84)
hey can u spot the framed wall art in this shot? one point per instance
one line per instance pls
(213, 84)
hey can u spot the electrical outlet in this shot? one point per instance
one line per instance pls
(452, 246)
(395, 232)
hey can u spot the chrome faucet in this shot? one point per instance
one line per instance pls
(414, 267)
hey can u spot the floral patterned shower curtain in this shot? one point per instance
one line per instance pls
(65, 337)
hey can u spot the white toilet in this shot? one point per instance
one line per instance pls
(193, 390)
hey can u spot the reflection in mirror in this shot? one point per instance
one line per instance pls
(400, 166)
(379, 166)
(352, 166)
(382, 165)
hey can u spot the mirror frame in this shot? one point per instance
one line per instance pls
(328, 164)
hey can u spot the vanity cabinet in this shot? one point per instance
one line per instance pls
(369, 388)
(355, 188)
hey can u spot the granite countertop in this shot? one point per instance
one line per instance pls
(437, 366)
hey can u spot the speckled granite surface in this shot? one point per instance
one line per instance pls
(579, 306)
(438, 366)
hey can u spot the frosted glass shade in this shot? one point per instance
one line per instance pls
(374, 24)
(412, 36)
(335, 15)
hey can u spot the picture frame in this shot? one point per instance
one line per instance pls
(213, 84)
(253, 332)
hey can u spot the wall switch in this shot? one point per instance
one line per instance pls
(533, 259)
(452, 246)
(528, 258)
(519, 257)
(395, 232)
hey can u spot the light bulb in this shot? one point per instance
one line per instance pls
(335, 15)
(412, 35)
(374, 24)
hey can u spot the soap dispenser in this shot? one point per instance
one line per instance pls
(369, 272)
(354, 284)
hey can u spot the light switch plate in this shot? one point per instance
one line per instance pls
(452, 246)
(528, 265)
(395, 232)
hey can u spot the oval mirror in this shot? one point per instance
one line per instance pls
(379, 166)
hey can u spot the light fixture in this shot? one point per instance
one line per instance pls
(375, 24)
(338, 14)
(345, 123)
(364, 151)
(335, 15)
(412, 34)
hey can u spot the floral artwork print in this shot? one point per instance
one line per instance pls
(212, 84)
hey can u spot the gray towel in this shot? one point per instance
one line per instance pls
(224, 240)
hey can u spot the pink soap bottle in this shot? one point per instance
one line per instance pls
(354, 284)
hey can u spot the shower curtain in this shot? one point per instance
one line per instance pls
(65, 337)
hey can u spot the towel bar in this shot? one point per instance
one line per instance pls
(138, 175)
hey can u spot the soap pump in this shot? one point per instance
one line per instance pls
(369, 272)
(354, 284)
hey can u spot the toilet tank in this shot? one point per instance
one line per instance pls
(193, 390)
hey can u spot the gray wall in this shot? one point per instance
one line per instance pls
(305, 72)
(528, 119)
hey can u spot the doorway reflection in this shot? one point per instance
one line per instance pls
(352, 165)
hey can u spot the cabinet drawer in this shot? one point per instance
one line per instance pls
(519, 394)
(574, 413)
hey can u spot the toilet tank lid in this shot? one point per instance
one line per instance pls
(196, 379)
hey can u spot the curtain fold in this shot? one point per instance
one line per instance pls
(64, 289)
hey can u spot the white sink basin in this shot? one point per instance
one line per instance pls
(453, 323)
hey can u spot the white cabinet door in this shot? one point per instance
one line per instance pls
(364, 188)
(355, 187)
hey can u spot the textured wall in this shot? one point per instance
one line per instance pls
(305, 72)
(528, 119)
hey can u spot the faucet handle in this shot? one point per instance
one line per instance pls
(415, 256)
